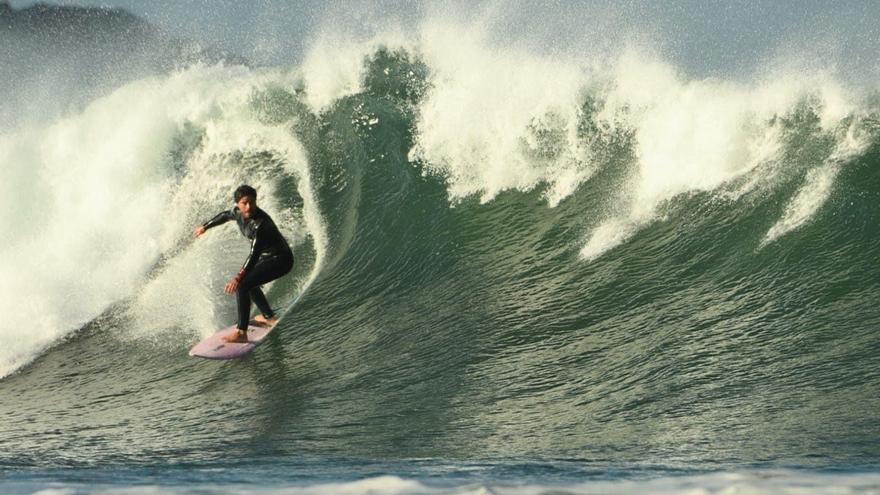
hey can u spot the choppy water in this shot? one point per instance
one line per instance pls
(514, 275)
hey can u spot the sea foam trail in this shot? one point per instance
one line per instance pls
(99, 197)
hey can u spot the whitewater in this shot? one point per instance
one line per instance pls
(516, 272)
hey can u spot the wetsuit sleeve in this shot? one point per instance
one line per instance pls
(220, 218)
(254, 255)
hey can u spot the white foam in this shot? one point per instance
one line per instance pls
(725, 483)
(699, 135)
(334, 63)
(690, 136)
(606, 236)
(479, 122)
(492, 110)
(96, 202)
(818, 185)
(488, 114)
(809, 198)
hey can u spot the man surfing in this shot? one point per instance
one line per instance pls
(270, 258)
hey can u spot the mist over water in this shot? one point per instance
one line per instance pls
(520, 265)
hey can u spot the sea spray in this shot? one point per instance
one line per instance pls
(116, 191)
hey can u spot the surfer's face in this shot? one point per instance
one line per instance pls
(246, 205)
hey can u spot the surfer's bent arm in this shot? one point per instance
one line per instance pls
(219, 219)
(253, 255)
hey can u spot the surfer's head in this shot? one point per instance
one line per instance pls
(245, 200)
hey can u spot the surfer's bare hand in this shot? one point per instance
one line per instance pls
(199, 231)
(232, 285)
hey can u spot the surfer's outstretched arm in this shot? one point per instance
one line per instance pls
(220, 218)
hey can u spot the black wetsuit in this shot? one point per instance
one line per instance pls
(270, 258)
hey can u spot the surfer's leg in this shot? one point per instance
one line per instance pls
(243, 301)
(260, 300)
(243, 298)
(263, 272)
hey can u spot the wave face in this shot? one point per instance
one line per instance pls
(499, 256)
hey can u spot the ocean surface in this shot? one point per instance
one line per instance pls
(515, 273)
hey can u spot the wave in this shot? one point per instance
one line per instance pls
(519, 255)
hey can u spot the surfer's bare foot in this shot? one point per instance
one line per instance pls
(238, 337)
(266, 321)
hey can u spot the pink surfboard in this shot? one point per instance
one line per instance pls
(214, 347)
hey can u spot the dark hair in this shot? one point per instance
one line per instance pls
(245, 190)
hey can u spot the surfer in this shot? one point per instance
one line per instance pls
(270, 258)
